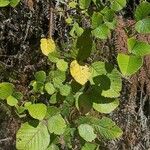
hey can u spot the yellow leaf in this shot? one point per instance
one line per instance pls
(47, 46)
(80, 73)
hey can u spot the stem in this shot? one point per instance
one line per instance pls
(51, 22)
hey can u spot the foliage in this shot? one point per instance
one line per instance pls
(12, 3)
(142, 15)
(56, 124)
(131, 63)
(87, 132)
(6, 89)
(89, 146)
(33, 110)
(32, 136)
(104, 127)
(73, 82)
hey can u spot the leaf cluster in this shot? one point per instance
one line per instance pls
(13, 3)
(63, 97)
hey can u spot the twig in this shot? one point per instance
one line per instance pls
(51, 21)
(27, 27)
(5, 65)
(6, 139)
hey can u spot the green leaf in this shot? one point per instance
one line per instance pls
(89, 146)
(86, 120)
(111, 25)
(107, 78)
(117, 5)
(69, 20)
(143, 26)
(72, 4)
(97, 19)
(65, 109)
(129, 64)
(62, 65)
(70, 99)
(4, 3)
(108, 14)
(37, 111)
(14, 3)
(100, 103)
(54, 56)
(20, 110)
(84, 45)
(6, 89)
(84, 4)
(12, 101)
(76, 30)
(40, 76)
(53, 99)
(38, 86)
(138, 48)
(109, 18)
(83, 102)
(104, 127)
(106, 105)
(65, 90)
(52, 111)
(98, 68)
(18, 95)
(26, 104)
(32, 138)
(142, 11)
(86, 132)
(58, 78)
(56, 124)
(115, 84)
(53, 147)
(107, 128)
(102, 32)
(49, 87)
(68, 136)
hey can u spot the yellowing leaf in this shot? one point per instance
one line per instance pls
(47, 46)
(80, 73)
